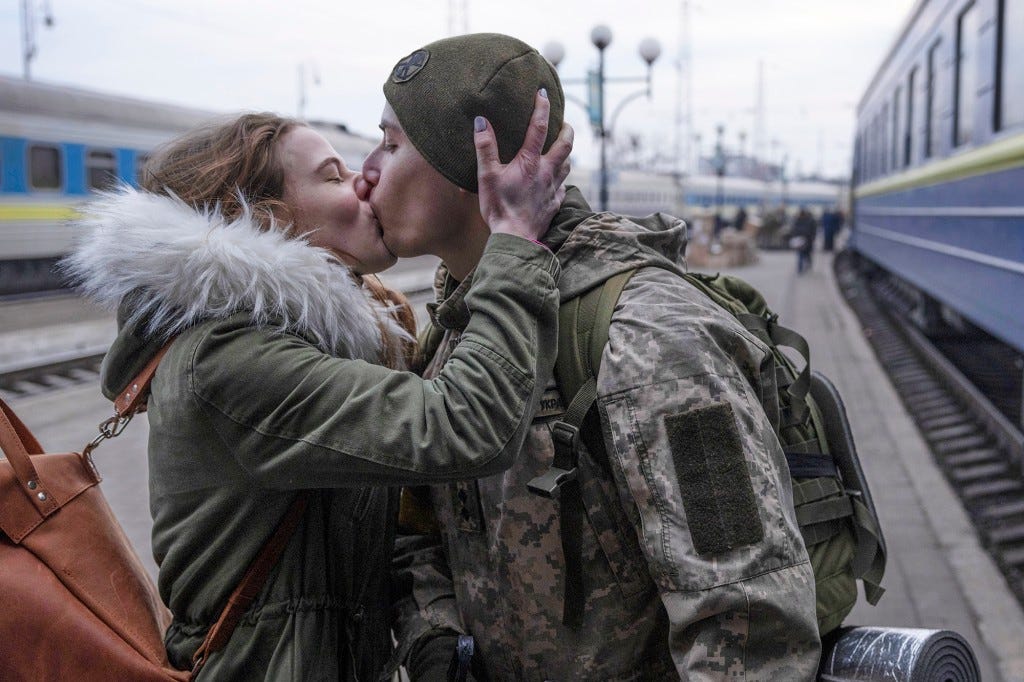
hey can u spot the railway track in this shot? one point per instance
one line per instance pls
(51, 373)
(979, 450)
(65, 368)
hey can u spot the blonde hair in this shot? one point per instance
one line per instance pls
(228, 164)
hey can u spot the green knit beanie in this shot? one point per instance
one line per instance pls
(438, 90)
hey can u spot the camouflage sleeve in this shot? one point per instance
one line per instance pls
(423, 597)
(703, 478)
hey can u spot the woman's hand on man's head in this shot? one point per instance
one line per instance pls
(522, 196)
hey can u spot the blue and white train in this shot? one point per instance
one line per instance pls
(938, 178)
(60, 144)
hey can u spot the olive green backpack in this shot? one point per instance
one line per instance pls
(834, 509)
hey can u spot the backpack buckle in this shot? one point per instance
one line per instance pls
(549, 484)
(566, 438)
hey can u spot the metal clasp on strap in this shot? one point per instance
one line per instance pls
(462, 659)
(109, 428)
(566, 438)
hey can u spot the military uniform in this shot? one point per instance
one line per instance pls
(693, 563)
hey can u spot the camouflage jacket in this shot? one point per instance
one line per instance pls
(693, 563)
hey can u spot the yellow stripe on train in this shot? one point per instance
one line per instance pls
(996, 156)
(12, 212)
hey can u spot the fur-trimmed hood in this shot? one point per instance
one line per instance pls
(183, 266)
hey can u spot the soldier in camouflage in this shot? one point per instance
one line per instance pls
(694, 567)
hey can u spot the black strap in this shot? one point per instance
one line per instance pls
(566, 487)
(572, 516)
(768, 330)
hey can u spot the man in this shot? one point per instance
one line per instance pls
(693, 566)
(831, 221)
(802, 236)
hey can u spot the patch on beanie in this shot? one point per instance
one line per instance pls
(410, 66)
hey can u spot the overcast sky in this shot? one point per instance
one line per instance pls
(226, 55)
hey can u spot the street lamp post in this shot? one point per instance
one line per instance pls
(601, 37)
(782, 177)
(720, 172)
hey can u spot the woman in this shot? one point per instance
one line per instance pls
(250, 249)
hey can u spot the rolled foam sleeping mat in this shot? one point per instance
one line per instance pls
(876, 654)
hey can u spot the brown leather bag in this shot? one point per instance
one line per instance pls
(76, 602)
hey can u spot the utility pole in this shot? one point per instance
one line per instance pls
(758, 151)
(720, 173)
(820, 171)
(743, 153)
(28, 33)
(315, 72)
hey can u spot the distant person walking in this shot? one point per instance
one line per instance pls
(831, 223)
(741, 219)
(801, 238)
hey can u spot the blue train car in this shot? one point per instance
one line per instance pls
(938, 178)
(58, 145)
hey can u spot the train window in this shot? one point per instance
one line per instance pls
(44, 167)
(884, 135)
(858, 160)
(931, 112)
(908, 133)
(966, 75)
(877, 164)
(100, 169)
(865, 154)
(1010, 102)
(871, 148)
(897, 126)
(880, 145)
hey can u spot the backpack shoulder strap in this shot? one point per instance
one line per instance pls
(583, 324)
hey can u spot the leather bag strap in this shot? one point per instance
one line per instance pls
(133, 398)
(17, 444)
(251, 584)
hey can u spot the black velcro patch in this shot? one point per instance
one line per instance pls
(718, 496)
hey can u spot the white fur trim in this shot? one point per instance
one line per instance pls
(195, 265)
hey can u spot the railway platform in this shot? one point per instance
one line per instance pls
(938, 575)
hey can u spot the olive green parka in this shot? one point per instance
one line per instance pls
(269, 388)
